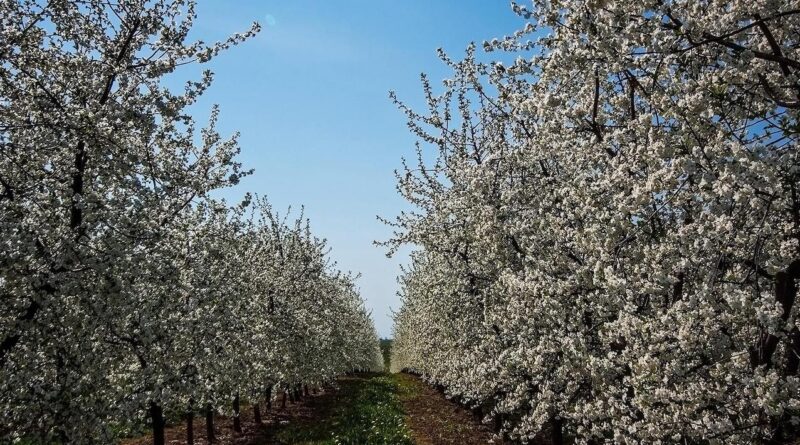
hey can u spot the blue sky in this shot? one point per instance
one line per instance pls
(310, 97)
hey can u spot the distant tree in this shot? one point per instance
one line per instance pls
(386, 351)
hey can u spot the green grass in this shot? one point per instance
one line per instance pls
(368, 412)
(386, 349)
(407, 387)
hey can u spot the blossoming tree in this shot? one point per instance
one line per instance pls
(609, 235)
(125, 290)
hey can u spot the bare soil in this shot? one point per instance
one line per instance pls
(435, 420)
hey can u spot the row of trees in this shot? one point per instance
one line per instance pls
(609, 236)
(125, 289)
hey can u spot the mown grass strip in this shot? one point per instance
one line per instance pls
(368, 412)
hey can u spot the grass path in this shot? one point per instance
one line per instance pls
(365, 410)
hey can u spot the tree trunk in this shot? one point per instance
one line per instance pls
(210, 424)
(237, 423)
(283, 400)
(269, 397)
(157, 418)
(793, 362)
(190, 424)
(557, 433)
(305, 390)
(257, 413)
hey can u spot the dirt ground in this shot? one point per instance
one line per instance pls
(434, 420)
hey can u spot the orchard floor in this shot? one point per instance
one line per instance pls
(434, 420)
(365, 409)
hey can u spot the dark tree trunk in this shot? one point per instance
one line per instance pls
(557, 433)
(497, 422)
(283, 400)
(269, 397)
(157, 418)
(777, 435)
(271, 309)
(257, 413)
(305, 390)
(210, 424)
(793, 361)
(477, 413)
(190, 424)
(237, 423)
(677, 287)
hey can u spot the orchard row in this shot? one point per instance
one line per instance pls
(609, 231)
(127, 293)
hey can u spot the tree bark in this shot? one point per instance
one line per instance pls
(557, 432)
(257, 413)
(497, 422)
(190, 424)
(793, 361)
(210, 424)
(269, 397)
(237, 423)
(157, 419)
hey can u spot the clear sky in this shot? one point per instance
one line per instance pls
(310, 98)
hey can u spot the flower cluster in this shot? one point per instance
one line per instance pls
(124, 287)
(609, 233)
